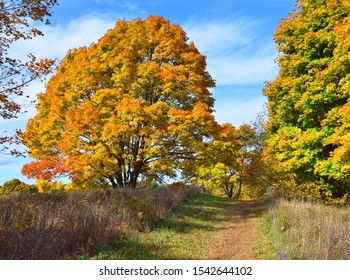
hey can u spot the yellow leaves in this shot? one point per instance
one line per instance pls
(48, 186)
(341, 136)
(220, 164)
(135, 102)
(309, 121)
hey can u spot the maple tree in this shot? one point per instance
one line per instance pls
(135, 103)
(16, 17)
(309, 100)
(219, 162)
(232, 159)
(257, 174)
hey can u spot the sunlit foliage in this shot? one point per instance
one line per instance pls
(309, 100)
(136, 102)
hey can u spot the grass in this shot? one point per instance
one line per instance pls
(265, 243)
(163, 224)
(188, 234)
(63, 225)
(306, 231)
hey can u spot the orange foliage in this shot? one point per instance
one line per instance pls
(137, 102)
(46, 168)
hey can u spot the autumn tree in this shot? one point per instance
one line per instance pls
(16, 18)
(219, 164)
(134, 103)
(309, 100)
(256, 175)
(232, 160)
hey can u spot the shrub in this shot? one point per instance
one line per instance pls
(16, 185)
(60, 225)
(48, 186)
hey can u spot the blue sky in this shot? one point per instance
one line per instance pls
(235, 35)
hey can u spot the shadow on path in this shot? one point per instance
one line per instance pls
(237, 241)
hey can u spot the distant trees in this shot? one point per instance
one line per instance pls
(16, 17)
(135, 103)
(233, 159)
(258, 176)
(219, 166)
(309, 100)
(18, 186)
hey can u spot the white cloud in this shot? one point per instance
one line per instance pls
(241, 70)
(60, 38)
(54, 44)
(239, 60)
(215, 37)
(236, 55)
(238, 111)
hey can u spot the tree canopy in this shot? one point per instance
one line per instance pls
(309, 100)
(219, 163)
(231, 163)
(135, 103)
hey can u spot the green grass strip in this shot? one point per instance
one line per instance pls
(188, 234)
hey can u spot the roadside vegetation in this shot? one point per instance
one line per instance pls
(164, 223)
(188, 234)
(305, 230)
(61, 225)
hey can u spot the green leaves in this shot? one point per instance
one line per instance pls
(308, 101)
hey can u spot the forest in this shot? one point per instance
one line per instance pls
(127, 154)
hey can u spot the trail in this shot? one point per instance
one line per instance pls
(238, 239)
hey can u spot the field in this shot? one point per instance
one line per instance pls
(63, 225)
(188, 234)
(169, 223)
(308, 231)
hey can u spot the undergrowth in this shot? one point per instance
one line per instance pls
(188, 234)
(308, 231)
(62, 225)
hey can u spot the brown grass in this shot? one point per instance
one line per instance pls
(61, 225)
(308, 230)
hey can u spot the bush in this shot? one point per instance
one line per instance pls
(48, 186)
(16, 185)
(61, 225)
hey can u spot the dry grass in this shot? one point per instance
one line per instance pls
(62, 225)
(306, 230)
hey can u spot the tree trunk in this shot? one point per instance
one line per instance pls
(114, 184)
(135, 174)
(120, 180)
(238, 194)
(229, 189)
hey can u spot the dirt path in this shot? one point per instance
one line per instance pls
(238, 239)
